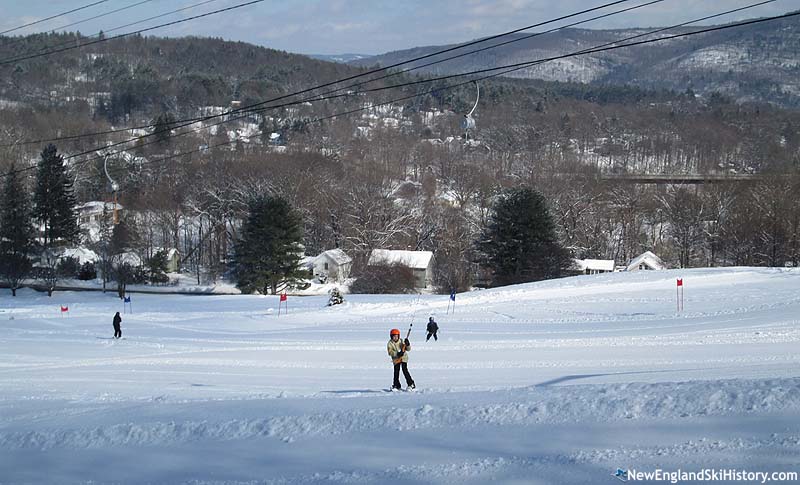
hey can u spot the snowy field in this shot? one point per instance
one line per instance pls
(554, 382)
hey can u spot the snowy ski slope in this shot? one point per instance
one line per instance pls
(554, 382)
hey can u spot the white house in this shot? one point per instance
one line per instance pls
(333, 265)
(129, 258)
(81, 254)
(92, 212)
(593, 266)
(421, 262)
(646, 261)
(173, 259)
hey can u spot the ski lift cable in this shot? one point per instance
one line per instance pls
(106, 39)
(345, 113)
(53, 17)
(600, 48)
(55, 29)
(249, 107)
(350, 78)
(519, 39)
(508, 68)
(504, 70)
(613, 45)
(106, 31)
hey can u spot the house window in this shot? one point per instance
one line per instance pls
(326, 266)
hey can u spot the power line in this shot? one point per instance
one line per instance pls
(101, 15)
(54, 29)
(106, 39)
(53, 17)
(97, 35)
(601, 48)
(505, 69)
(248, 109)
(328, 84)
(494, 46)
(508, 68)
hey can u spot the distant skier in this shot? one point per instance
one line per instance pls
(398, 351)
(432, 329)
(117, 326)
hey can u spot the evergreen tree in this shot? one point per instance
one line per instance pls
(268, 254)
(123, 236)
(16, 232)
(162, 127)
(54, 199)
(336, 297)
(157, 268)
(87, 271)
(520, 243)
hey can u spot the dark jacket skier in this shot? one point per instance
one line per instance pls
(398, 351)
(432, 329)
(117, 326)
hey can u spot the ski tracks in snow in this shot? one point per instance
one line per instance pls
(432, 410)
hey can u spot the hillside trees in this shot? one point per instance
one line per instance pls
(124, 239)
(54, 200)
(16, 231)
(686, 215)
(520, 243)
(54, 208)
(268, 253)
(372, 220)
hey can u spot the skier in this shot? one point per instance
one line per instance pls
(117, 326)
(398, 352)
(432, 329)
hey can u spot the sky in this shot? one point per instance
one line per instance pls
(356, 26)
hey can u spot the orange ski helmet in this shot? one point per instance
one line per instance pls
(394, 331)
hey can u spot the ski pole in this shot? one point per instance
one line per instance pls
(403, 347)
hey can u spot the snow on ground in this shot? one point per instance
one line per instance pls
(561, 381)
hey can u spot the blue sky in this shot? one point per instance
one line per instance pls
(359, 26)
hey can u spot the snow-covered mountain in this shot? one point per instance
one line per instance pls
(755, 62)
(341, 58)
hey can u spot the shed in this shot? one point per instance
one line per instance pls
(593, 266)
(646, 261)
(333, 265)
(421, 262)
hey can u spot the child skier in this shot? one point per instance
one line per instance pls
(432, 329)
(398, 352)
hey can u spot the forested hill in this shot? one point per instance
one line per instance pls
(755, 62)
(144, 74)
(393, 169)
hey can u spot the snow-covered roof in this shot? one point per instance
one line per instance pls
(336, 255)
(307, 261)
(171, 252)
(594, 264)
(649, 259)
(412, 259)
(97, 207)
(83, 255)
(130, 258)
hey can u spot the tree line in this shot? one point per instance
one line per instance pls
(402, 176)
